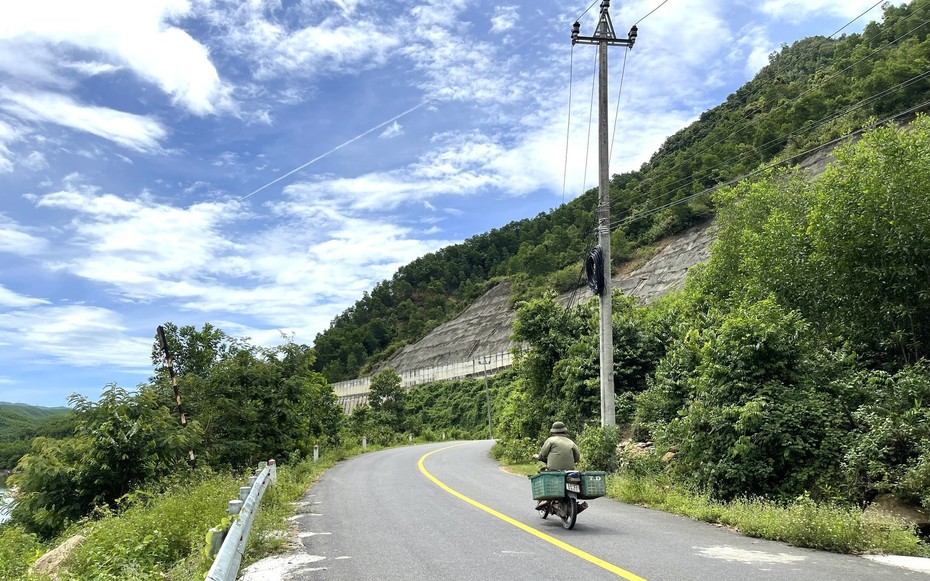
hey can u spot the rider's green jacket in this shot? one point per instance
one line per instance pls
(560, 453)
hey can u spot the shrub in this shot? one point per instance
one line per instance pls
(18, 550)
(756, 422)
(598, 445)
(891, 449)
(515, 451)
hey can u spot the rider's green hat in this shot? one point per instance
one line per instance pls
(558, 428)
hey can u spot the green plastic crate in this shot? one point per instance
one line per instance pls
(548, 485)
(593, 484)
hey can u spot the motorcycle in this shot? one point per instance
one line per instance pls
(565, 493)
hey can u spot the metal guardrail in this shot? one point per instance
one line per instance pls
(226, 564)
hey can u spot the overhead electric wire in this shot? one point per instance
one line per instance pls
(816, 86)
(568, 128)
(613, 135)
(587, 149)
(857, 17)
(656, 8)
(586, 11)
(808, 128)
(738, 179)
(337, 148)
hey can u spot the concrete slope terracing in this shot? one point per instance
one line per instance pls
(478, 340)
(483, 329)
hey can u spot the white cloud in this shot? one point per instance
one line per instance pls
(137, 132)
(77, 335)
(297, 268)
(35, 161)
(135, 243)
(9, 299)
(505, 18)
(457, 66)
(332, 43)
(138, 35)
(15, 240)
(91, 69)
(798, 10)
(395, 129)
(7, 136)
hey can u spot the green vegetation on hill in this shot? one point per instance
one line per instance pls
(19, 423)
(810, 93)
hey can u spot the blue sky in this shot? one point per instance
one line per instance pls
(137, 140)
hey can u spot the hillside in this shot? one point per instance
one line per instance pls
(811, 93)
(484, 328)
(19, 423)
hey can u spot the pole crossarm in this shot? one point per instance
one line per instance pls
(609, 41)
(604, 34)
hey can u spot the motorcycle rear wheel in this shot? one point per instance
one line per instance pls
(568, 512)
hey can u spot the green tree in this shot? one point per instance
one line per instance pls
(386, 398)
(755, 421)
(870, 229)
(120, 442)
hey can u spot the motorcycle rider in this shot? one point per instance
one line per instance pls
(559, 452)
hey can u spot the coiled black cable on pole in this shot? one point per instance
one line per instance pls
(594, 267)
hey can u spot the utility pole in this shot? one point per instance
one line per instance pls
(604, 37)
(169, 362)
(487, 392)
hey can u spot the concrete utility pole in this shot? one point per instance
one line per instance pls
(604, 37)
(487, 392)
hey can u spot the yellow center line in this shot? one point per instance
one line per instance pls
(561, 544)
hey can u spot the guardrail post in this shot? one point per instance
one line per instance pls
(225, 566)
(364, 443)
(234, 507)
(316, 453)
(216, 537)
(244, 492)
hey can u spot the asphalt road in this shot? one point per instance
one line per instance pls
(447, 511)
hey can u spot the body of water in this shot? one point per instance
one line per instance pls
(3, 504)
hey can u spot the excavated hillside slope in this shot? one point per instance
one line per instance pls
(483, 328)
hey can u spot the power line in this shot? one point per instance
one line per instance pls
(656, 8)
(568, 128)
(806, 129)
(758, 119)
(587, 148)
(857, 18)
(613, 135)
(763, 169)
(586, 10)
(816, 86)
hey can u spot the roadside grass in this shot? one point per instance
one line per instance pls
(18, 550)
(802, 523)
(160, 531)
(159, 534)
(525, 469)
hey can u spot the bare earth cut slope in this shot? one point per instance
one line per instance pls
(483, 329)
